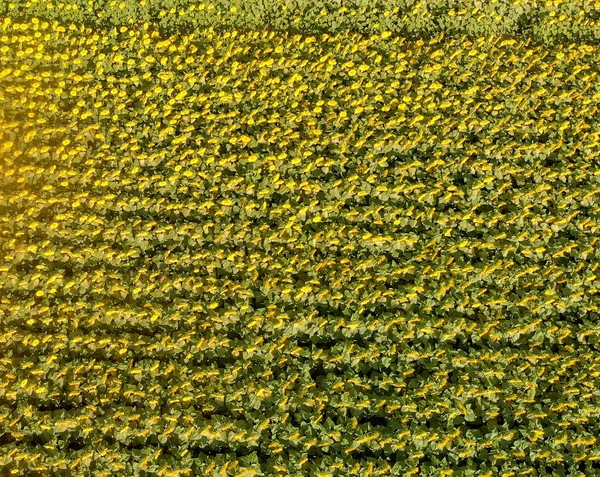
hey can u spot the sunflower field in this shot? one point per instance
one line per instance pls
(288, 238)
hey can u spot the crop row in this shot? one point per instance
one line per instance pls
(549, 22)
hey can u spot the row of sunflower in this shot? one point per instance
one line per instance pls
(251, 253)
(551, 21)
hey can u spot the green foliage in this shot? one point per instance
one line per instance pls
(549, 22)
(252, 253)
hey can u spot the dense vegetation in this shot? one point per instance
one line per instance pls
(545, 22)
(272, 253)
